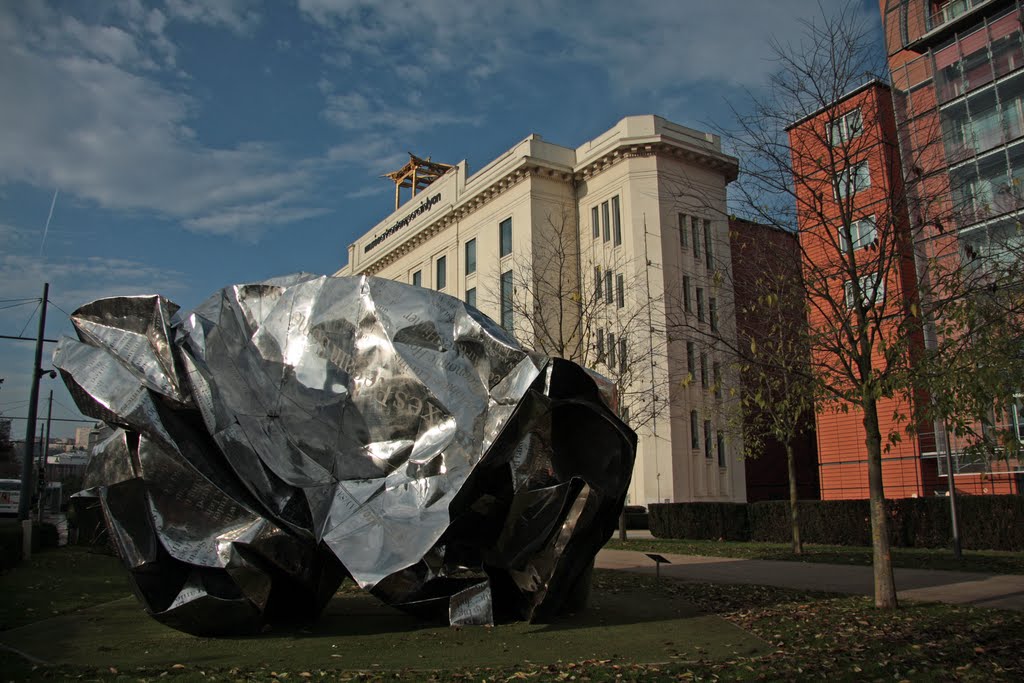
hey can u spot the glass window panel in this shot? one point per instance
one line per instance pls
(1011, 96)
(684, 231)
(471, 297)
(616, 221)
(471, 257)
(605, 221)
(1007, 54)
(506, 300)
(976, 67)
(609, 293)
(611, 351)
(442, 273)
(505, 230)
(597, 282)
(708, 255)
(620, 291)
(595, 220)
(417, 279)
(694, 430)
(985, 121)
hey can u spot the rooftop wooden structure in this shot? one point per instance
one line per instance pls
(417, 173)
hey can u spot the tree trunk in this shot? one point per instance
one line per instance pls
(794, 513)
(885, 585)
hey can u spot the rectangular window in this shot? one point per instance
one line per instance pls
(417, 279)
(695, 233)
(622, 354)
(595, 219)
(611, 352)
(506, 300)
(721, 448)
(684, 231)
(845, 128)
(686, 294)
(872, 289)
(597, 282)
(700, 304)
(708, 255)
(442, 273)
(616, 221)
(609, 293)
(471, 297)
(713, 313)
(620, 291)
(863, 233)
(703, 370)
(605, 221)
(691, 359)
(505, 237)
(852, 180)
(600, 345)
(694, 430)
(716, 377)
(707, 439)
(471, 257)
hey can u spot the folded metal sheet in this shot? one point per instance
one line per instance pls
(290, 433)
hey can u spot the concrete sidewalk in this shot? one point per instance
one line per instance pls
(1005, 591)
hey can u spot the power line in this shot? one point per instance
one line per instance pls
(8, 336)
(30, 319)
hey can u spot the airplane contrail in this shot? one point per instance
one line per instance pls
(48, 219)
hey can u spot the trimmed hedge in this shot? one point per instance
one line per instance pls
(727, 521)
(986, 522)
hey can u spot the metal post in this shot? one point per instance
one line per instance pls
(25, 504)
(44, 453)
(954, 518)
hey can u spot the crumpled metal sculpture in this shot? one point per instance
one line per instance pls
(291, 433)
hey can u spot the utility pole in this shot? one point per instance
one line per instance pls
(44, 453)
(25, 504)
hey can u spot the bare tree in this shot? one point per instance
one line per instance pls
(777, 388)
(853, 238)
(593, 309)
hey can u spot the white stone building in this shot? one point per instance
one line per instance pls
(613, 246)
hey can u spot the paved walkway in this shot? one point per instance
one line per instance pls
(1005, 591)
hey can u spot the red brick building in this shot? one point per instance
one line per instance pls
(937, 158)
(847, 162)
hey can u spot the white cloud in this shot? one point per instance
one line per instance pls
(356, 111)
(75, 281)
(369, 191)
(647, 44)
(237, 15)
(78, 117)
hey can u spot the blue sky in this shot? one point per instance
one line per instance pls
(194, 144)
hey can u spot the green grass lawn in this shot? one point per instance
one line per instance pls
(638, 629)
(58, 581)
(991, 561)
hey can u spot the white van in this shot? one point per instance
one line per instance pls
(10, 496)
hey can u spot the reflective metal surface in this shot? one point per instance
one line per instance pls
(291, 433)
